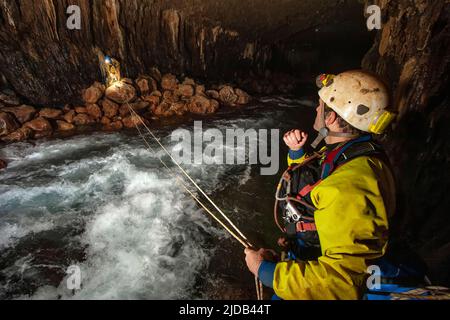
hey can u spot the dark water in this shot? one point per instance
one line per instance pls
(104, 203)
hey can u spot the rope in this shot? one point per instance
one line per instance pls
(187, 175)
(243, 240)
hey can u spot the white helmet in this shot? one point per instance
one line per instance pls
(357, 96)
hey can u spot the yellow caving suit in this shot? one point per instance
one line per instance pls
(353, 205)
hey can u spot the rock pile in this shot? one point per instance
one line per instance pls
(150, 96)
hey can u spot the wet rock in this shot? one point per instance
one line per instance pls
(40, 126)
(179, 108)
(132, 121)
(139, 106)
(80, 109)
(170, 97)
(169, 82)
(8, 123)
(22, 113)
(83, 119)
(121, 92)
(9, 98)
(20, 134)
(213, 94)
(153, 100)
(64, 126)
(200, 90)
(243, 97)
(93, 93)
(146, 85)
(113, 126)
(185, 90)
(155, 74)
(189, 81)
(3, 164)
(50, 113)
(124, 110)
(227, 96)
(161, 110)
(201, 105)
(68, 117)
(110, 108)
(105, 121)
(94, 111)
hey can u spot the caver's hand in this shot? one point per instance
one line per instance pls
(254, 259)
(295, 139)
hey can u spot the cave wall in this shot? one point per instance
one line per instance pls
(47, 63)
(412, 53)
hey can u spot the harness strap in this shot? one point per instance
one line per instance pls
(305, 226)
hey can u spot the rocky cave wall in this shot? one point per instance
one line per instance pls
(48, 64)
(412, 53)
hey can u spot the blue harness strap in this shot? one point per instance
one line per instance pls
(333, 156)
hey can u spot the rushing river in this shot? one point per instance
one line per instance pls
(104, 203)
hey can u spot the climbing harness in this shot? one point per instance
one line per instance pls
(235, 233)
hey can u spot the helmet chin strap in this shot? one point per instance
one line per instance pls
(325, 132)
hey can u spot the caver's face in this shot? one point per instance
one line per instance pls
(319, 111)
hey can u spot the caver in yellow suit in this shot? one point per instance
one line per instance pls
(342, 198)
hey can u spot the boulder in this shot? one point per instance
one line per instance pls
(64, 126)
(200, 90)
(22, 113)
(110, 108)
(40, 126)
(213, 94)
(162, 110)
(68, 117)
(121, 92)
(83, 119)
(146, 85)
(185, 90)
(189, 81)
(20, 134)
(179, 108)
(92, 94)
(124, 110)
(139, 106)
(202, 105)
(243, 97)
(132, 121)
(169, 82)
(152, 100)
(80, 109)
(105, 120)
(113, 126)
(227, 96)
(155, 74)
(8, 124)
(94, 111)
(50, 113)
(170, 97)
